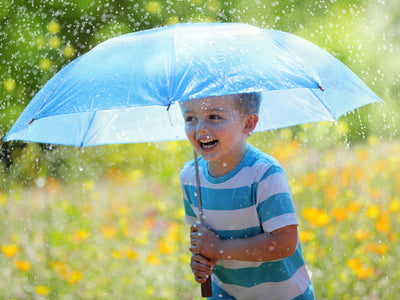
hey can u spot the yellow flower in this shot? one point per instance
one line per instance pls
(116, 254)
(53, 27)
(81, 235)
(213, 5)
(45, 64)
(74, 277)
(23, 265)
(69, 51)
(373, 140)
(54, 42)
(394, 205)
(153, 7)
(130, 253)
(342, 128)
(9, 84)
(153, 259)
(9, 250)
(172, 20)
(361, 234)
(373, 211)
(42, 290)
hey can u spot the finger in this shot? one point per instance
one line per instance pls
(200, 279)
(195, 226)
(200, 259)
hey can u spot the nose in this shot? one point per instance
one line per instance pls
(201, 126)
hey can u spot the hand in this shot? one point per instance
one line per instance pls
(204, 241)
(202, 267)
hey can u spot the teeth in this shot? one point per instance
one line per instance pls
(208, 143)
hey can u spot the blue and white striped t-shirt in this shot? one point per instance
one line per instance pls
(251, 199)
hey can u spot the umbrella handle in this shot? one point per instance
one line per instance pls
(206, 287)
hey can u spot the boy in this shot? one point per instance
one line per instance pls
(249, 242)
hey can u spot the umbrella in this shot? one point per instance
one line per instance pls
(126, 89)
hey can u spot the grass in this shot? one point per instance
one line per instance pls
(117, 230)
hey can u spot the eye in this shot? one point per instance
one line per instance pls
(215, 117)
(189, 119)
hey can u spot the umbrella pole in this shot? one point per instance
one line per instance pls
(206, 288)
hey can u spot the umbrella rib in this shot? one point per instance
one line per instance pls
(319, 99)
(172, 69)
(87, 129)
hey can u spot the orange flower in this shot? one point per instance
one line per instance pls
(109, 231)
(59, 267)
(332, 192)
(339, 214)
(365, 272)
(383, 224)
(362, 154)
(310, 179)
(316, 217)
(165, 247)
(358, 174)
(361, 234)
(153, 259)
(9, 250)
(354, 264)
(378, 248)
(307, 235)
(353, 207)
(52, 186)
(23, 265)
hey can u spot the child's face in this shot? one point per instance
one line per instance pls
(216, 128)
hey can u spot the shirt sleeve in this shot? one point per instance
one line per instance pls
(275, 207)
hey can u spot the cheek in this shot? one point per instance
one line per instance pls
(189, 131)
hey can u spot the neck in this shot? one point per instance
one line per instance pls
(220, 168)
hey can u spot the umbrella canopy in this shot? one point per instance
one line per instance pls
(126, 89)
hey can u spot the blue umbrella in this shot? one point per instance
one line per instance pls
(125, 90)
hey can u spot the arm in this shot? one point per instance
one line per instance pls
(276, 245)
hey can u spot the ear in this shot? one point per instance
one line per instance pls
(250, 123)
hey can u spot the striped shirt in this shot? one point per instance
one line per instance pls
(251, 199)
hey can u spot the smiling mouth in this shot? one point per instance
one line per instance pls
(208, 144)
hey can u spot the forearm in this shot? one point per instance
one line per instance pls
(262, 247)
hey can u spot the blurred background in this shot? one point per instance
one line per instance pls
(107, 222)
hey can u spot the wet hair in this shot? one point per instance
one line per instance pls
(248, 103)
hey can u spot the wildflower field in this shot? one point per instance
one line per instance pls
(115, 230)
